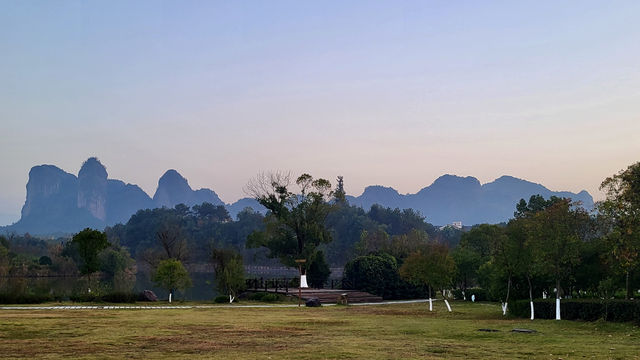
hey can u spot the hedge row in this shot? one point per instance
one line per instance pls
(6, 298)
(580, 309)
(115, 297)
(481, 294)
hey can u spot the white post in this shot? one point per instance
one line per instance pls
(531, 303)
(169, 298)
(430, 305)
(303, 281)
(557, 308)
(448, 306)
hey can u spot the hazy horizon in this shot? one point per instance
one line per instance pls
(395, 94)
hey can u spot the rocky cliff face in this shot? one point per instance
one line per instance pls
(59, 202)
(173, 189)
(49, 189)
(92, 188)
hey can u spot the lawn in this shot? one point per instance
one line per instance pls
(406, 331)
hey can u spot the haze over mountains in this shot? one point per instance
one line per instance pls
(59, 202)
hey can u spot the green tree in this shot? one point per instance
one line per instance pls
(622, 209)
(433, 267)
(229, 270)
(295, 222)
(376, 274)
(171, 275)
(559, 230)
(318, 270)
(119, 267)
(88, 244)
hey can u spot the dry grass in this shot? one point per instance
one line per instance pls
(373, 332)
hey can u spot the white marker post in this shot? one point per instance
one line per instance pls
(531, 303)
(447, 303)
(557, 308)
(169, 297)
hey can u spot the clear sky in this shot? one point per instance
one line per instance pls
(391, 92)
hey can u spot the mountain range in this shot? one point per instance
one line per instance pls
(60, 202)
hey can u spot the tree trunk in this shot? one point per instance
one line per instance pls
(506, 300)
(557, 299)
(530, 296)
(628, 293)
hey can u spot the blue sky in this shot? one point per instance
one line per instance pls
(394, 93)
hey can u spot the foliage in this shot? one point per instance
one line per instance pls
(88, 244)
(398, 246)
(26, 298)
(621, 209)
(171, 275)
(229, 271)
(295, 223)
(318, 270)
(558, 230)
(582, 309)
(221, 299)
(432, 267)
(375, 274)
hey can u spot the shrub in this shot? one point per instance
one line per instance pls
(120, 297)
(318, 270)
(85, 297)
(6, 298)
(378, 274)
(271, 298)
(375, 274)
(221, 299)
(580, 309)
(257, 296)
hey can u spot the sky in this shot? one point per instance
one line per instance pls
(381, 92)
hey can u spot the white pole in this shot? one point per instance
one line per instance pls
(430, 305)
(448, 306)
(531, 303)
(557, 308)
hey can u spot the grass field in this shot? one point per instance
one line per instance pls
(407, 331)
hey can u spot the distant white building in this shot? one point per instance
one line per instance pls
(455, 225)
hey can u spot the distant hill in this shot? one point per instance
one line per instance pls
(58, 202)
(454, 198)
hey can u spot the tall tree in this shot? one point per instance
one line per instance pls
(89, 243)
(432, 266)
(229, 270)
(622, 208)
(172, 275)
(295, 222)
(559, 230)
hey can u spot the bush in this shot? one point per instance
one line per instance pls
(581, 309)
(378, 274)
(271, 298)
(26, 298)
(481, 294)
(257, 296)
(375, 274)
(120, 297)
(85, 297)
(318, 271)
(221, 299)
